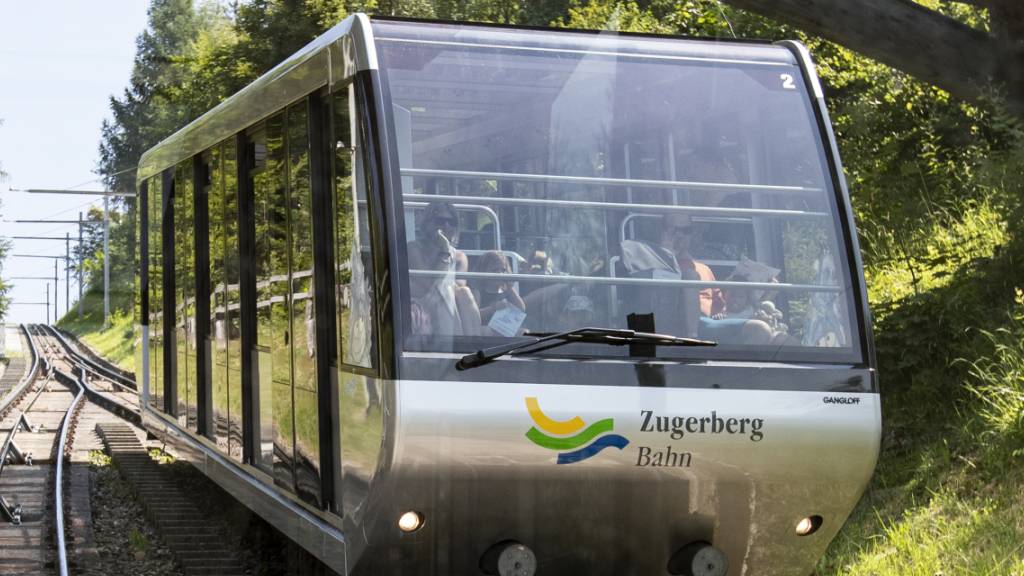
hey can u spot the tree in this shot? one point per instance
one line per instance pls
(968, 57)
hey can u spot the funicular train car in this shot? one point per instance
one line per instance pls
(457, 299)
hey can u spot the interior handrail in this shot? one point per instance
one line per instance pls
(602, 181)
(618, 281)
(652, 208)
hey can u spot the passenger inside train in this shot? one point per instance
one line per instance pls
(441, 305)
(638, 202)
(501, 308)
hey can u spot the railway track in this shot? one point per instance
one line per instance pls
(64, 406)
(35, 416)
(184, 528)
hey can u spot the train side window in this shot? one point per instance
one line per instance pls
(156, 283)
(217, 376)
(301, 303)
(232, 299)
(269, 266)
(184, 296)
(224, 330)
(354, 262)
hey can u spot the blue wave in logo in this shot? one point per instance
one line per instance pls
(593, 448)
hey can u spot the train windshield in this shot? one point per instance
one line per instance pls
(553, 181)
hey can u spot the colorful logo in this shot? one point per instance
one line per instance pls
(566, 436)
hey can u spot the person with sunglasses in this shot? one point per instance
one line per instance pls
(437, 217)
(440, 306)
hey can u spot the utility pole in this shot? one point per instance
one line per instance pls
(80, 258)
(55, 280)
(106, 237)
(106, 261)
(47, 303)
(67, 272)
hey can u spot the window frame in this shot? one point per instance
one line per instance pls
(859, 351)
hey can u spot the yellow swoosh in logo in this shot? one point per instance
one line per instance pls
(558, 431)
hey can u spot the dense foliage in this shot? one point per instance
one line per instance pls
(935, 186)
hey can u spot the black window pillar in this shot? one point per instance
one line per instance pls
(320, 161)
(143, 244)
(142, 213)
(170, 344)
(247, 295)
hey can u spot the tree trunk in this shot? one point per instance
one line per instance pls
(939, 50)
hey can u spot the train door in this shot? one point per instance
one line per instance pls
(360, 402)
(284, 350)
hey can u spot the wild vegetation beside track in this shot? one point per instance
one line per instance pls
(936, 187)
(115, 342)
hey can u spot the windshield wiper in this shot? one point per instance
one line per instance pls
(611, 336)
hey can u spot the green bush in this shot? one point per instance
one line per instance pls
(998, 382)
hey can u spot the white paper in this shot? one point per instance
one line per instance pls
(507, 320)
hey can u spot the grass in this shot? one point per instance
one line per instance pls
(115, 342)
(953, 532)
(947, 495)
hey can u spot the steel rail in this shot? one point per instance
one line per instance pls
(62, 552)
(15, 393)
(70, 356)
(109, 399)
(92, 365)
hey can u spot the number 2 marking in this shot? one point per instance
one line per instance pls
(787, 81)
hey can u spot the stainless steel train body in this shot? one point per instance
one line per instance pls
(320, 251)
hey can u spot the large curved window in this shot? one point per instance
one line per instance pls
(556, 181)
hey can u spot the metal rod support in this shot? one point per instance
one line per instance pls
(599, 181)
(80, 258)
(37, 238)
(83, 223)
(106, 261)
(104, 193)
(67, 272)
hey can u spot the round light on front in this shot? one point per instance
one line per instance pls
(808, 526)
(411, 521)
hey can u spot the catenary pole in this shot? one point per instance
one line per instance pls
(106, 261)
(80, 256)
(106, 237)
(67, 272)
